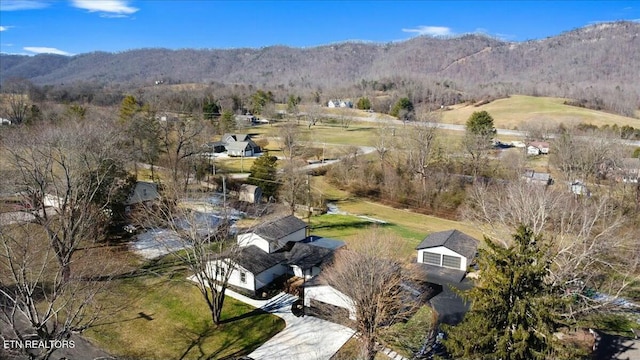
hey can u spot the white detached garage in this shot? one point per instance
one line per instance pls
(447, 250)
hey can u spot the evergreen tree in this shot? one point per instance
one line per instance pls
(480, 123)
(363, 103)
(263, 174)
(128, 108)
(403, 109)
(210, 110)
(514, 309)
(227, 122)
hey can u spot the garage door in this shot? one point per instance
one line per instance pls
(451, 261)
(431, 258)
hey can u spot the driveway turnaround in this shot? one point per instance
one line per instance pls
(306, 337)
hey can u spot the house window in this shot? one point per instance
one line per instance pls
(243, 277)
(451, 261)
(431, 258)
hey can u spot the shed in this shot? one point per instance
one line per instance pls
(250, 193)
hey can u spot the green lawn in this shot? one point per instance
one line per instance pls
(512, 112)
(178, 324)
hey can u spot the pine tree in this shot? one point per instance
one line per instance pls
(263, 174)
(514, 310)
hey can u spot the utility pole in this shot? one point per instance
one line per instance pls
(224, 193)
(308, 206)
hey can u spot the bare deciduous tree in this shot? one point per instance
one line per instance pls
(180, 141)
(374, 280)
(63, 177)
(201, 243)
(50, 274)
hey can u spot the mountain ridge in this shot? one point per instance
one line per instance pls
(592, 59)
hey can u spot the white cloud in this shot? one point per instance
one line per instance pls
(15, 5)
(4, 28)
(105, 6)
(431, 30)
(45, 50)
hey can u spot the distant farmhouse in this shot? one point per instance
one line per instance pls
(538, 148)
(337, 103)
(629, 170)
(234, 145)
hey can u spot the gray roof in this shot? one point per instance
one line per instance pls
(306, 256)
(441, 275)
(327, 243)
(238, 146)
(278, 229)
(235, 137)
(455, 240)
(256, 261)
(142, 191)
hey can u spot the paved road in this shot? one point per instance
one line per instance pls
(305, 337)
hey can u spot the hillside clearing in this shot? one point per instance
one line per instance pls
(515, 111)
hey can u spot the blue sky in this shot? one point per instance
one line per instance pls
(81, 26)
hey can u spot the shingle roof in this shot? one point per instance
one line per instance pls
(238, 145)
(455, 240)
(306, 256)
(278, 229)
(235, 137)
(142, 191)
(256, 261)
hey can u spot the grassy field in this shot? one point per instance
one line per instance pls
(513, 112)
(412, 227)
(167, 319)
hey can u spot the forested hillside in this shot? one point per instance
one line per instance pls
(597, 64)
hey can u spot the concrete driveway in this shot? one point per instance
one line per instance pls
(305, 337)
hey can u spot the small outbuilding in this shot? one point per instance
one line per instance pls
(250, 193)
(446, 255)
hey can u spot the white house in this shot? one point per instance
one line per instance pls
(252, 269)
(579, 188)
(335, 103)
(239, 148)
(240, 145)
(532, 150)
(541, 146)
(272, 236)
(447, 255)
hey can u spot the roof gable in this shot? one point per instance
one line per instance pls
(280, 228)
(142, 191)
(454, 240)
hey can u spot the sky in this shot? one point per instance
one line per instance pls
(31, 27)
